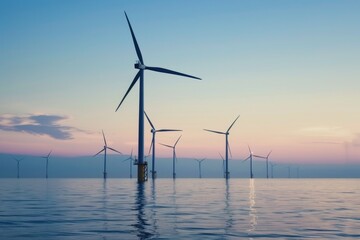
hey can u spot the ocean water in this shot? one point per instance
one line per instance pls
(180, 209)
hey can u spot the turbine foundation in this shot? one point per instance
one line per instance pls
(142, 172)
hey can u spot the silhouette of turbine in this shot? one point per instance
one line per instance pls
(200, 161)
(18, 160)
(227, 146)
(47, 163)
(104, 150)
(174, 154)
(152, 146)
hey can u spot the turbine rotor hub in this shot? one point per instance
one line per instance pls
(138, 65)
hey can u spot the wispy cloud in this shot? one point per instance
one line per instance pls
(324, 131)
(42, 124)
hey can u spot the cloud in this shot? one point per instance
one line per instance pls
(38, 125)
(324, 131)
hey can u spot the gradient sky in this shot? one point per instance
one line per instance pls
(289, 68)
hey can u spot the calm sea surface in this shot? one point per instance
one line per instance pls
(181, 209)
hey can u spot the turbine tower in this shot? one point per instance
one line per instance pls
(140, 75)
(200, 161)
(227, 147)
(104, 150)
(174, 155)
(251, 161)
(152, 146)
(18, 160)
(47, 163)
(130, 159)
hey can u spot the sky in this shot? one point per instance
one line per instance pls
(288, 68)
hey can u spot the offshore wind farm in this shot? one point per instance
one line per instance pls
(289, 69)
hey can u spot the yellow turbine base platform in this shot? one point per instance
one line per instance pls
(142, 172)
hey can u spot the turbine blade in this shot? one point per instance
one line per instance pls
(177, 141)
(151, 145)
(245, 159)
(114, 150)
(168, 130)
(249, 149)
(232, 124)
(152, 126)
(99, 152)
(49, 154)
(259, 156)
(221, 156)
(229, 150)
(164, 70)
(104, 137)
(131, 86)
(214, 131)
(269, 154)
(166, 145)
(138, 52)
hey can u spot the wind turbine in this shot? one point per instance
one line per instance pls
(174, 154)
(267, 163)
(140, 75)
(227, 147)
(130, 159)
(47, 163)
(18, 160)
(272, 169)
(200, 161)
(251, 161)
(104, 150)
(152, 146)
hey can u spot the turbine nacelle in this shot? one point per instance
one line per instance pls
(139, 65)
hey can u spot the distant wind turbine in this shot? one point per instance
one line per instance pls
(174, 154)
(152, 146)
(289, 175)
(47, 163)
(227, 146)
(104, 150)
(267, 163)
(18, 160)
(200, 161)
(131, 160)
(272, 165)
(251, 161)
(140, 75)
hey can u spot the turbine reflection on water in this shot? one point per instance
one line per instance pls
(252, 209)
(141, 223)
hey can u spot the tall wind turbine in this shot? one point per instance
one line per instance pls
(18, 160)
(47, 163)
(140, 75)
(152, 146)
(174, 154)
(200, 161)
(227, 147)
(130, 159)
(251, 155)
(104, 150)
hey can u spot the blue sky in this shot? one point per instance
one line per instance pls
(289, 68)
